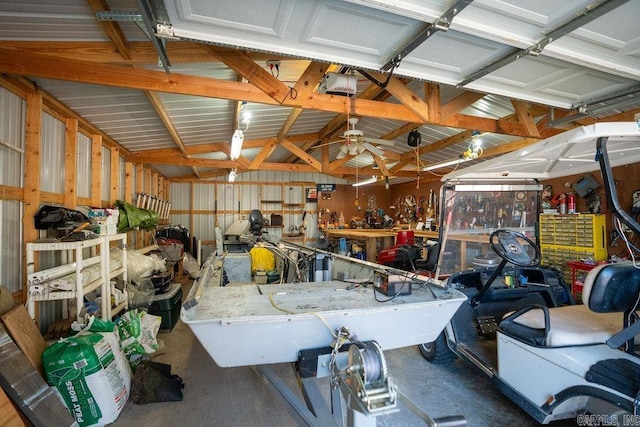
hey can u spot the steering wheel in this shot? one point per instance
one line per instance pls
(505, 243)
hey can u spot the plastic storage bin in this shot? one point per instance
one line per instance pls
(167, 306)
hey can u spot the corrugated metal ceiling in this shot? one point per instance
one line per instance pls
(594, 61)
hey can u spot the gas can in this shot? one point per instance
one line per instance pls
(571, 203)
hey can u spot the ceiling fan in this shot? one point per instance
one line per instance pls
(356, 143)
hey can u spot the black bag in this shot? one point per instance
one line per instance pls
(153, 382)
(56, 216)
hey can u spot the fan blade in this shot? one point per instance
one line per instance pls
(374, 150)
(379, 141)
(341, 155)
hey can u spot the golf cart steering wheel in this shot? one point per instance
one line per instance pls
(505, 243)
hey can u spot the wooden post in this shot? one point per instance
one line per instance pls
(70, 180)
(32, 163)
(31, 173)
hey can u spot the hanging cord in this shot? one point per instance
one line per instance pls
(287, 311)
(630, 248)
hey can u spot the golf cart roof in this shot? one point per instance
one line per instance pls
(568, 153)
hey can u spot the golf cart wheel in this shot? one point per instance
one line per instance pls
(437, 351)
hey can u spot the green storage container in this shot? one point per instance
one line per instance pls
(167, 306)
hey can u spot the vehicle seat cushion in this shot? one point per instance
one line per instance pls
(569, 325)
(612, 287)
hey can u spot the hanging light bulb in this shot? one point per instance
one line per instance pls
(386, 182)
(236, 144)
(245, 114)
(232, 175)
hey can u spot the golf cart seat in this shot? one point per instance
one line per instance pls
(609, 291)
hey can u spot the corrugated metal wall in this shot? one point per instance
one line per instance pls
(106, 174)
(52, 154)
(83, 166)
(220, 203)
(12, 111)
(12, 119)
(11, 245)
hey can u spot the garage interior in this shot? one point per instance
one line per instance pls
(336, 119)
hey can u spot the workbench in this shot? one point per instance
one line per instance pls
(372, 238)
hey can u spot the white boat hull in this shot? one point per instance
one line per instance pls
(262, 324)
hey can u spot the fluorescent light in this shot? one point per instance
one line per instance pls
(366, 181)
(445, 164)
(236, 144)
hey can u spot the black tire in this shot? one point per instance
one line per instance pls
(437, 351)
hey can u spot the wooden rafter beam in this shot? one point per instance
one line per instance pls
(22, 63)
(112, 29)
(525, 118)
(459, 103)
(303, 155)
(254, 74)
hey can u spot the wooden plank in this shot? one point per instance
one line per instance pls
(24, 385)
(128, 182)
(9, 415)
(70, 144)
(32, 162)
(26, 335)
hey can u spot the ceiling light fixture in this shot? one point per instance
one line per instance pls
(238, 135)
(236, 144)
(371, 180)
(232, 175)
(445, 164)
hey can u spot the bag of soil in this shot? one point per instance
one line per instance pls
(153, 382)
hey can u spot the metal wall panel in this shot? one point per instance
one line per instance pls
(227, 197)
(181, 219)
(11, 244)
(12, 111)
(180, 196)
(83, 166)
(106, 174)
(271, 192)
(204, 196)
(249, 196)
(203, 227)
(52, 154)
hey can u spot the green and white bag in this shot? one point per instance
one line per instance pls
(91, 374)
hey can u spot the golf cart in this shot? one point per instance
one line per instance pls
(520, 326)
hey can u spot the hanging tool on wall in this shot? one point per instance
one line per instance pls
(303, 226)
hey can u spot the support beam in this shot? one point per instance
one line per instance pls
(32, 161)
(70, 153)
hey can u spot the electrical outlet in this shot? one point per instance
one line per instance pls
(273, 62)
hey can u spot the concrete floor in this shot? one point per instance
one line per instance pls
(215, 396)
